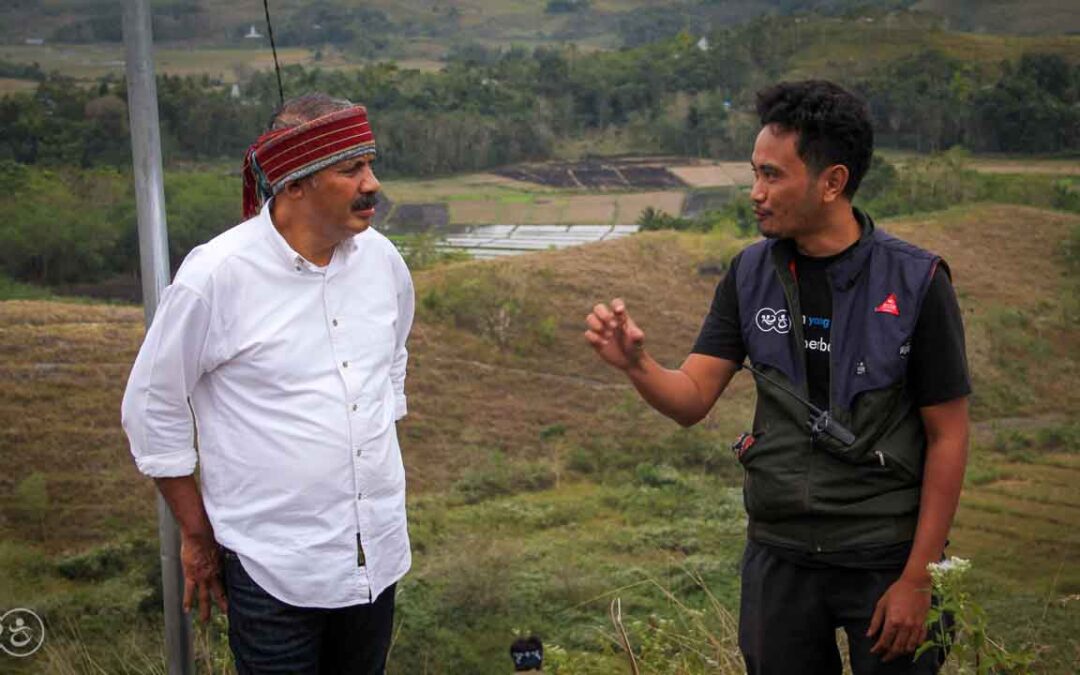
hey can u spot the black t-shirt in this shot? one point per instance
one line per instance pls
(937, 365)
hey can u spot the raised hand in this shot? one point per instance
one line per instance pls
(614, 335)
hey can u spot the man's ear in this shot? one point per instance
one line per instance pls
(834, 179)
(293, 189)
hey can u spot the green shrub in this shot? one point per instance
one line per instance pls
(923, 184)
(1065, 438)
(656, 219)
(1066, 195)
(495, 301)
(657, 475)
(108, 561)
(1070, 250)
(421, 251)
(500, 477)
(31, 503)
(581, 461)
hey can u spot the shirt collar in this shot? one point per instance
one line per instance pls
(845, 270)
(288, 256)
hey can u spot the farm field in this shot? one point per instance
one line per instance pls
(547, 194)
(87, 63)
(540, 486)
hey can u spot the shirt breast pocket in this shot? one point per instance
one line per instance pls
(370, 354)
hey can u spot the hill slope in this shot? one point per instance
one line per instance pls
(65, 365)
(539, 482)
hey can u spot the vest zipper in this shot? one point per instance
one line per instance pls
(791, 293)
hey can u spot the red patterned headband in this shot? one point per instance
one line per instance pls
(285, 155)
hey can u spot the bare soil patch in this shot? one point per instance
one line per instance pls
(613, 174)
(721, 174)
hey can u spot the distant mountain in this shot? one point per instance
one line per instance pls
(1026, 17)
(400, 28)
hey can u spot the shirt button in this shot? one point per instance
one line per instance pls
(359, 452)
(359, 495)
(344, 364)
(334, 322)
(355, 407)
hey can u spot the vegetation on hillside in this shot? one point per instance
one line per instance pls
(492, 106)
(402, 28)
(567, 492)
(541, 488)
(63, 226)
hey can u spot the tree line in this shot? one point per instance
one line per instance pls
(489, 107)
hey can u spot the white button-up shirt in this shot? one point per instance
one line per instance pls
(296, 375)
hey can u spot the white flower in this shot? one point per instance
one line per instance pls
(948, 569)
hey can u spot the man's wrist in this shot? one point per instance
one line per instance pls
(917, 576)
(636, 365)
(200, 531)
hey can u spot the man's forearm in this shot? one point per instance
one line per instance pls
(943, 480)
(671, 392)
(185, 501)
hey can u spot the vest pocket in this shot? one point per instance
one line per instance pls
(743, 444)
(775, 471)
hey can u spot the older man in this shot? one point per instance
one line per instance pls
(286, 335)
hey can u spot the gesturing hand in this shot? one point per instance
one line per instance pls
(900, 615)
(614, 335)
(201, 560)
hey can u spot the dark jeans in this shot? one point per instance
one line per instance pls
(789, 615)
(270, 636)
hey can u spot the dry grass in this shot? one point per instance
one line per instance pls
(13, 86)
(1007, 258)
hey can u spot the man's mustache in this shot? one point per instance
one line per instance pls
(366, 201)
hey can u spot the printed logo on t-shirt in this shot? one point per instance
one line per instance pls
(769, 319)
(817, 332)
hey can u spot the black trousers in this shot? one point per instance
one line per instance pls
(270, 636)
(789, 615)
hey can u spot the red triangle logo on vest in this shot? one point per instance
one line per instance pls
(888, 306)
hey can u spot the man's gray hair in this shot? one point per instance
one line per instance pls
(296, 111)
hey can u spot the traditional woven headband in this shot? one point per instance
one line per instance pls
(285, 155)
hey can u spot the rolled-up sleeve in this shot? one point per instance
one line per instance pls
(406, 309)
(155, 413)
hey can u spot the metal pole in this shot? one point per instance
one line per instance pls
(154, 261)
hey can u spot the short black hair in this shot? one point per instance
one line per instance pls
(833, 125)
